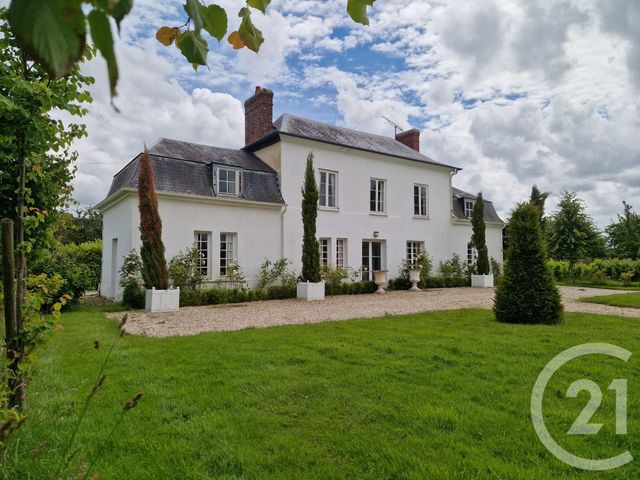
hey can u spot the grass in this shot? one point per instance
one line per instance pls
(606, 284)
(630, 300)
(438, 395)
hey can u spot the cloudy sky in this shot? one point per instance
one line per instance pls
(516, 92)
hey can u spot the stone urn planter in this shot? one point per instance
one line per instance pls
(162, 300)
(310, 290)
(380, 278)
(414, 278)
(482, 281)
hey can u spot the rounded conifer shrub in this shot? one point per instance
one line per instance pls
(527, 293)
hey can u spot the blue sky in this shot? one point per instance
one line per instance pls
(515, 92)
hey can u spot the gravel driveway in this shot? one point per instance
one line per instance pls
(217, 318)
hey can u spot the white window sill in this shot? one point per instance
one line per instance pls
(379, 214)
(329, 209)
(421, 217)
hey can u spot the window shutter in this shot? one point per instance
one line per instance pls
(214, 179)
(239, 182)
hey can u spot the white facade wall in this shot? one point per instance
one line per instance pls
(353, 220)
(461, 236)
(118, 231)
(256, 228)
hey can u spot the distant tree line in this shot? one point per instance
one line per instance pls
(571, 234)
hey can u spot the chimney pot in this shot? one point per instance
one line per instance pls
(410, 138)
(258, 115)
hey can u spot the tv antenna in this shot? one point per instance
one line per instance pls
(397, 128)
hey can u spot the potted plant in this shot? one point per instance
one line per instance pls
(482, 278)
(310, 286)
(154, 265)
(380, 279)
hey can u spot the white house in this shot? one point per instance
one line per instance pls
(381, 200)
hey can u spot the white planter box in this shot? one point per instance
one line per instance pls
(162, 300)
(310, 291)
(482, 281)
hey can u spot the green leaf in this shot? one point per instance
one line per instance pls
(249, 33)
(194, 10)
(259, 4)
(53, 33)
(120, 10)
(215, 21)
(193, 47)
(103, 40)
(357, 10)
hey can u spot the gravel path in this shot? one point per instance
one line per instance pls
(194, 320)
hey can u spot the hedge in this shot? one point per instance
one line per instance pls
(430, 282)
(218, 296)
(599, 269)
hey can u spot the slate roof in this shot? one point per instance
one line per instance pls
(310, 129)
(490, 214)
(187, 169)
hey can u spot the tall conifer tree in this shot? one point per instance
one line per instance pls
(310, 247)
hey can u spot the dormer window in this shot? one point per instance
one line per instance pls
(468, 207)
(228, 181)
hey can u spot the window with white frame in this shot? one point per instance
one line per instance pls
(468, 207)
(201, 244)
(328, 189)
(227, 251)
(420, 200)
(472, 255)
(341, 253)
(228, 181)
(377, 195)
(413, 250)
(324, 251)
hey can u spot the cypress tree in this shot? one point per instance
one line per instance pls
(154, 265)
(310, 247)
(478, 239)
(527, 293)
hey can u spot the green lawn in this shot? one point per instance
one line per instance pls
(432, 396)
(622, 300)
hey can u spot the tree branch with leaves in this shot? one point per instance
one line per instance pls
(54, 33)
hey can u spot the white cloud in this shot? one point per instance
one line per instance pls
(515, 92)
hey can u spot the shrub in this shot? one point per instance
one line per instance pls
(422, 260)
(183, 269)
(45, 290)
(235, 275)
(496, 269)
(333, 277)
(133, 295)
(79, 265)
(527, 293)
(626, 277)
(276, 273)
(310, 247)
(454, 267)
(478, 237)
(154, 265)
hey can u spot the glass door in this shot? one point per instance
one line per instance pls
(371, 258)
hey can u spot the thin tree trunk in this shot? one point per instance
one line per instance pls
(21, 274)
(10, 322)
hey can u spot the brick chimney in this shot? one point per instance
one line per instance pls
(411, 138)
(258, 115)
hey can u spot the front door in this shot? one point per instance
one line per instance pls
(371, 258)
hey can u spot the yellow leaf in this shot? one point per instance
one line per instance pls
(57, 307)
(167, 35)
(235, 40)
